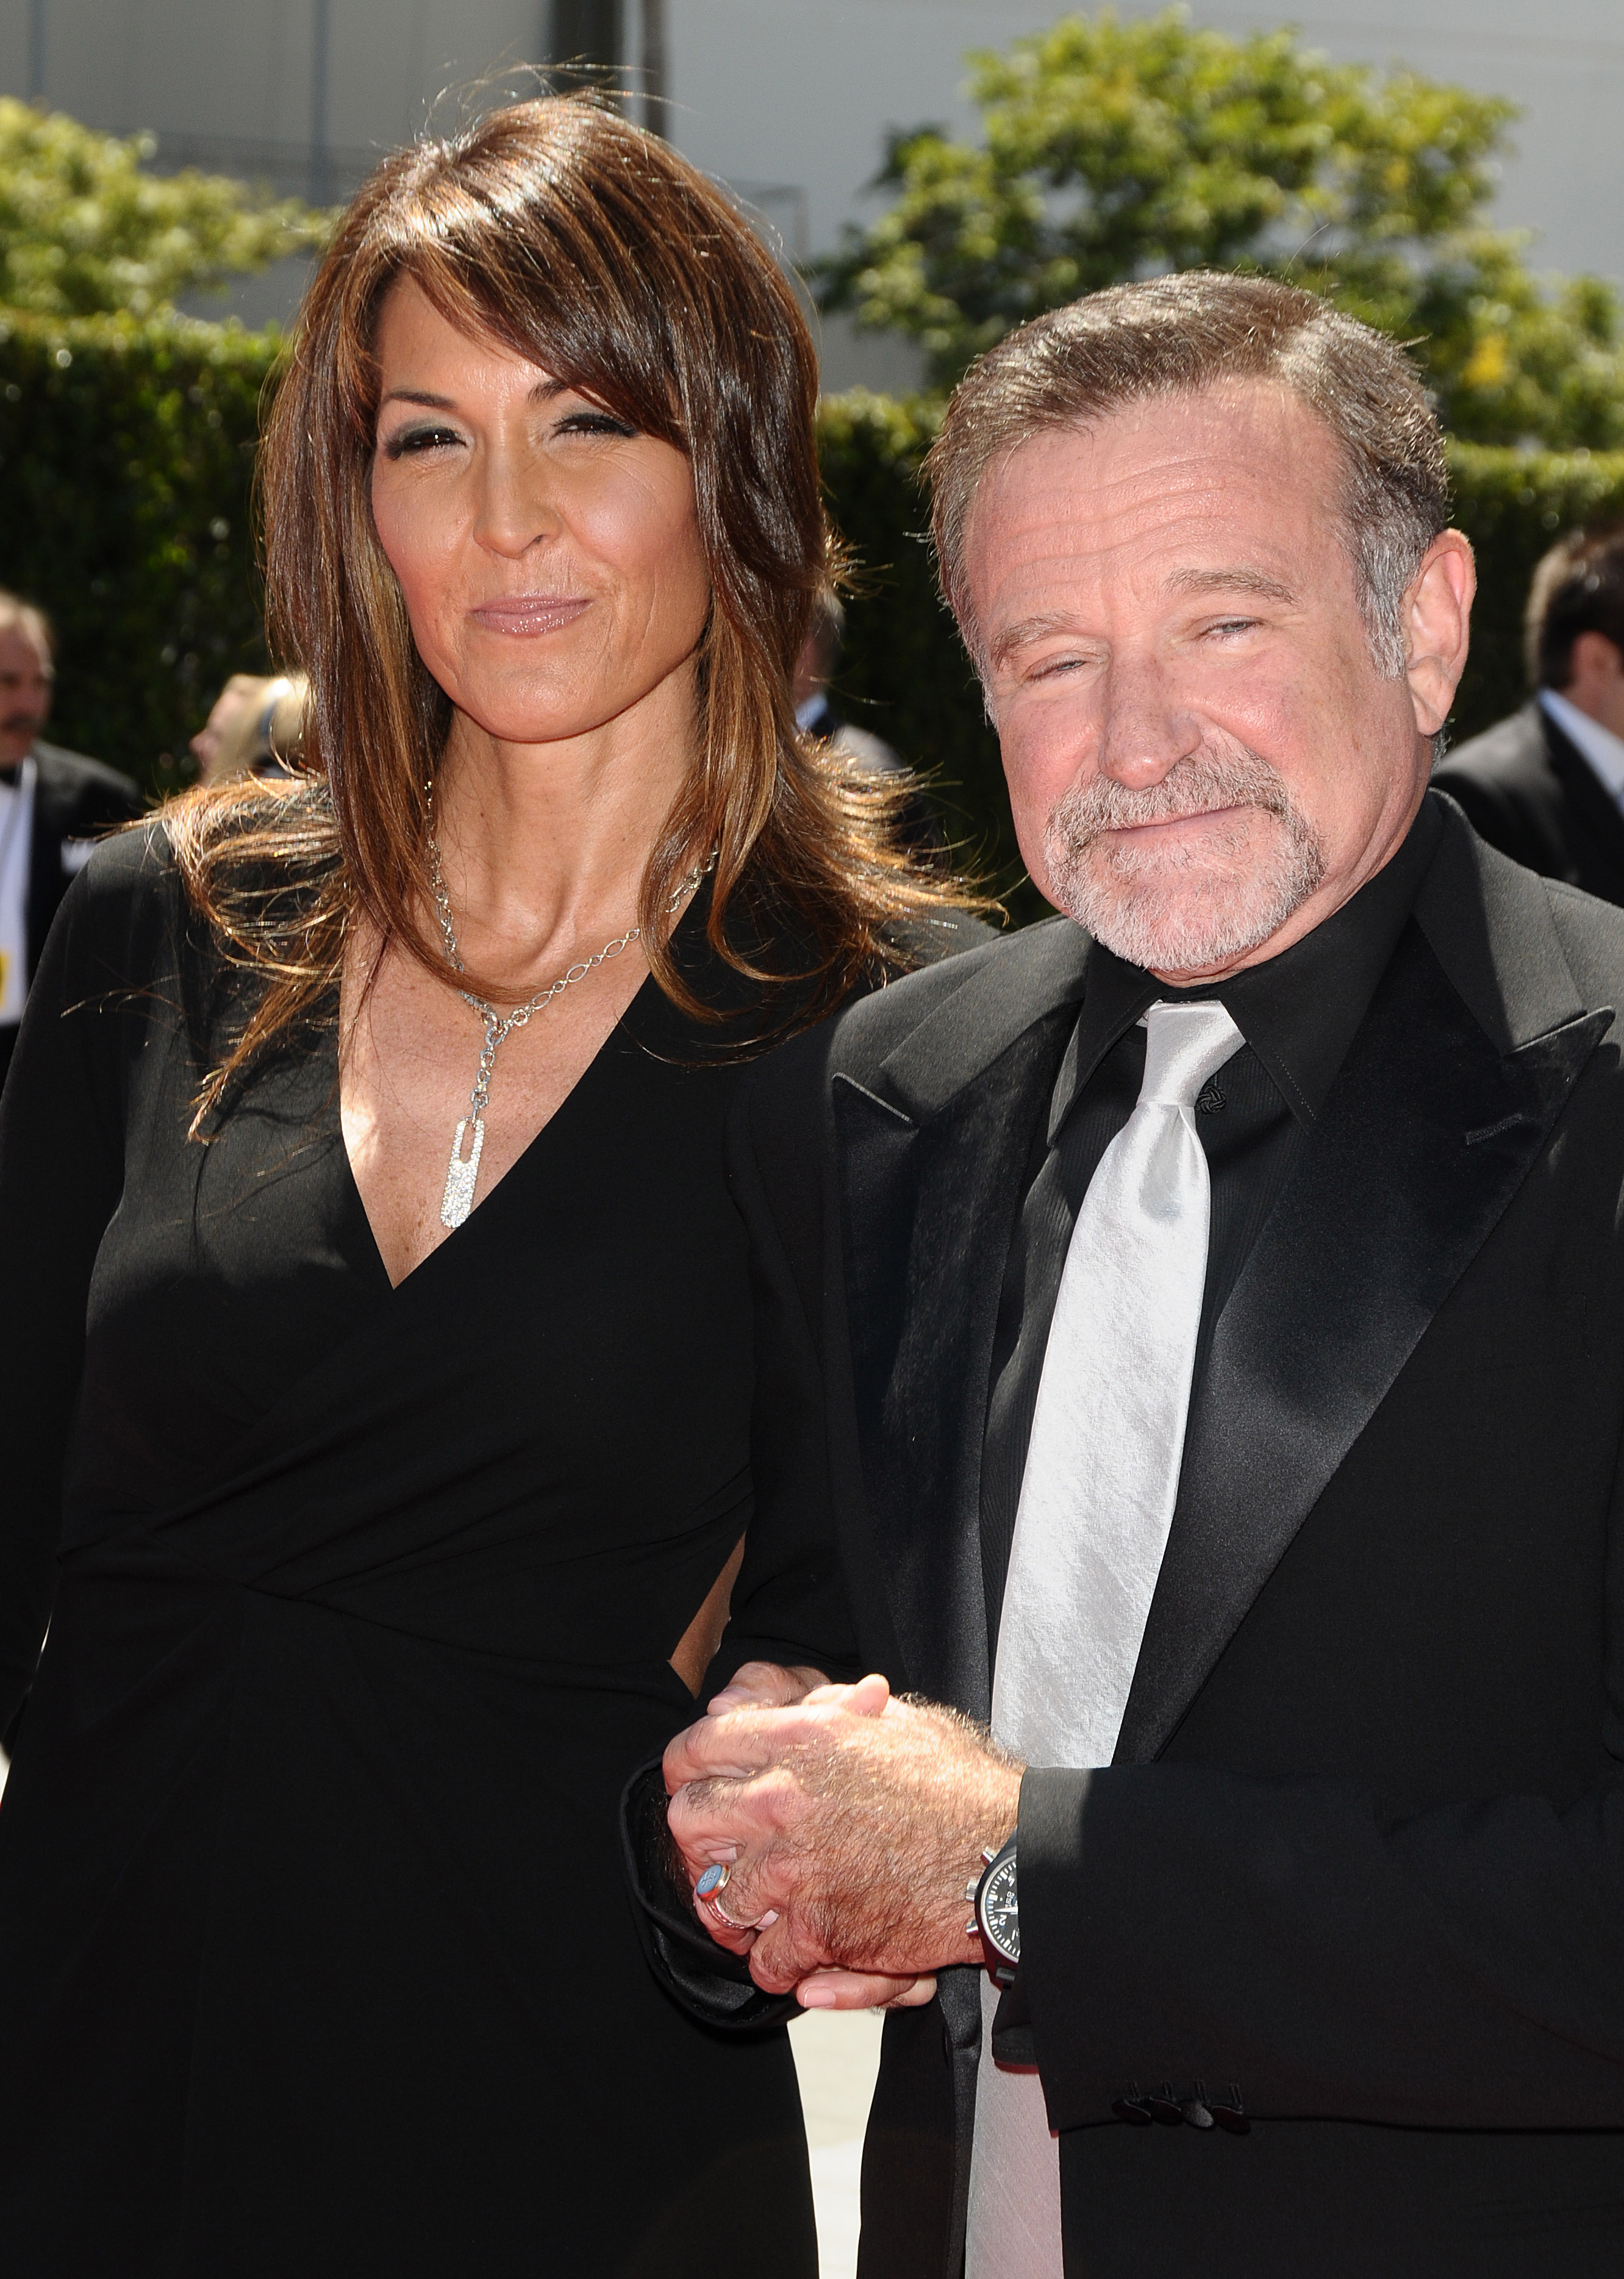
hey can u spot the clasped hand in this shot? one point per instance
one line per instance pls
(850, 1823)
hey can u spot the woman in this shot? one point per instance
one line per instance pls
(387, 1369)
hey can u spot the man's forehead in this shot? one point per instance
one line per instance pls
(1185, 492)
(1246, 449)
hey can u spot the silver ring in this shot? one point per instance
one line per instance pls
(709, 1887)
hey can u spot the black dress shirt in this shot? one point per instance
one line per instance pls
(1298, 1014)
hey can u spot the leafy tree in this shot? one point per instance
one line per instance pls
(1112, 150)
(84, 230)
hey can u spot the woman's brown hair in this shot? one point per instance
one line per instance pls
(589, 247)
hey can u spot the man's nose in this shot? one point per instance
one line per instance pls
(1147, 728)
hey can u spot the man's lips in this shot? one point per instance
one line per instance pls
(529, 613)
(1164, 823)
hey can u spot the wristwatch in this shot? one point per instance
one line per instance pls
(997, 1913)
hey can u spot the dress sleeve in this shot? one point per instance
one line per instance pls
(790, 1604)
(61, 1175)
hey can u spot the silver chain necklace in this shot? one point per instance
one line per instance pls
(462, 1171)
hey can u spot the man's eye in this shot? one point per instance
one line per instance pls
(411, 440)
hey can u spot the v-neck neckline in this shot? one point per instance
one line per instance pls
(357, 1201)
(619, 1029)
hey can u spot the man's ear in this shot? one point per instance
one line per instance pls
(1437, 616)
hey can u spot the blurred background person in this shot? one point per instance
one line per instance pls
(815, 715)
(254, 727)
(814, 669)
(1546, 786)
(54, 805)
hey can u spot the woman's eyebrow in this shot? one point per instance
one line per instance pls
(544, 392)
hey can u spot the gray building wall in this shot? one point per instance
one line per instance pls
(788, 100)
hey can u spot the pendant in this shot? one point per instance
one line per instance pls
(458, 1199)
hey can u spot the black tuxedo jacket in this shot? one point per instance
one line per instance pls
(1359, 1862)
(1531, 792)
(75, 799)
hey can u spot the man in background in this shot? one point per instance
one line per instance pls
(54, 805)
(1547, 785)
(815, 716)
(814, 669)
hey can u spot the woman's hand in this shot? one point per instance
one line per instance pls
(765, 1685)
(856, 1989)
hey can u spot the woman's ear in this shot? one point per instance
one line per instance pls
(1437, 622)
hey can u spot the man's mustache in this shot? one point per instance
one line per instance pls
(1190, 787)
(13, 723)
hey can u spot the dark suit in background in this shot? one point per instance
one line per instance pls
(1530, 791)
(1357, 1865)
(75, 802)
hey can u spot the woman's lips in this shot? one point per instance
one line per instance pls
(529, 613)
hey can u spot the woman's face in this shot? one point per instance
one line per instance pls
(548, 555)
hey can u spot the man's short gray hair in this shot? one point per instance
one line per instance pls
(1173, 335)
(14, 611)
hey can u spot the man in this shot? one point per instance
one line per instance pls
(815, 716)
(1203, 1316)
(53, 807)
(814, 669)
(1547, 785)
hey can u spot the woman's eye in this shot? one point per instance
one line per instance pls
(594, 423)
(412, 441)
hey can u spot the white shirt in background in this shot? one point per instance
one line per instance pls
(16, 860)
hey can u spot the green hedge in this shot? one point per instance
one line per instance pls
(125, 468)
(127, 460)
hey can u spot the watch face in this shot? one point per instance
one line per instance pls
(1001, 1917)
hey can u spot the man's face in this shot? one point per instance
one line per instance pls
(1202, 760)
(26, 678)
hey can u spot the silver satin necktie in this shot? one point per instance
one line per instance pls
(1096, 1505)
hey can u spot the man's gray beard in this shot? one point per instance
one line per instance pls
(1109, 891)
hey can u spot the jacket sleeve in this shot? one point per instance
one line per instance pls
(61, 1174)
(1292, 1942)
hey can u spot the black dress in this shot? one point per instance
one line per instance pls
(315, 1955)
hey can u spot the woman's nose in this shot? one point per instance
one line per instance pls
(515, 505)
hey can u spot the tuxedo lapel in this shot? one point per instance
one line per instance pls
(932, 1153)
(1431, 1126)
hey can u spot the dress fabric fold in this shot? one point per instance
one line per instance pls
(315, 1950)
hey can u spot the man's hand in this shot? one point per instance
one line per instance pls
(769, 1685)
(850, 1824)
